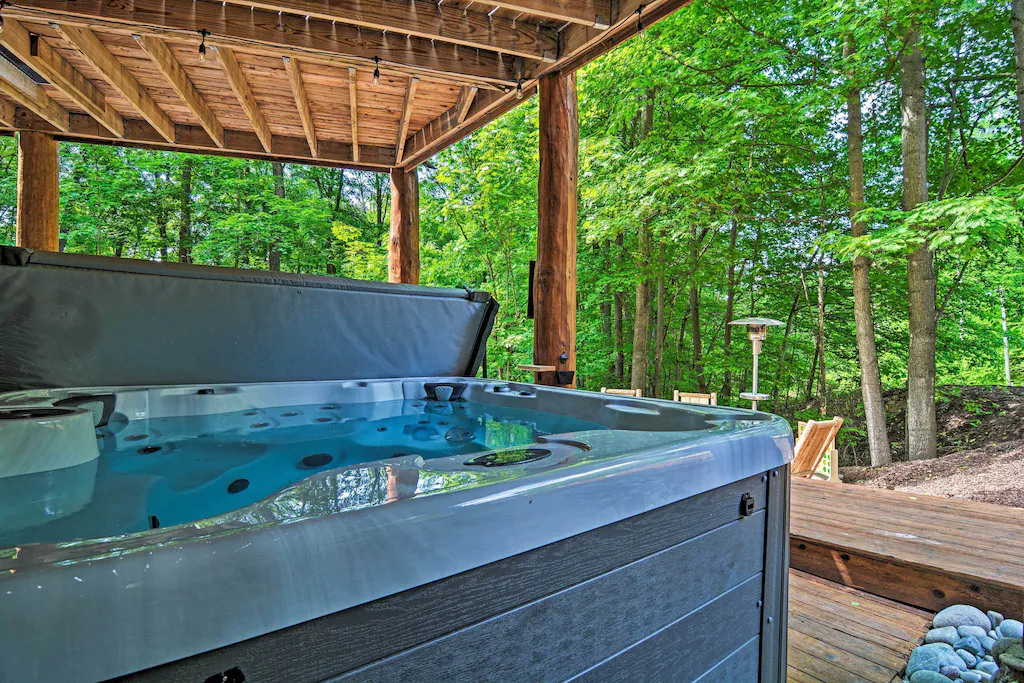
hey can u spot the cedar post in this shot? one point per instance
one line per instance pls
(404, 246)
(38, 192)
(554, 288)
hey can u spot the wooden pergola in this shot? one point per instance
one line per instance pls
(375, 85)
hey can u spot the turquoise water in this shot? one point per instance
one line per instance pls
(161, 472)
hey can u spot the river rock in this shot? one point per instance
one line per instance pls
(976, 631)
(950, 672)
(987, 643)
(969, 659)
(1011, 628)
(969, 643)
(961, 615)
(995, 617)
(932, 657)
(970, 677)
(1001, 646)
(929, 677)
(989, 667)
(948, 635)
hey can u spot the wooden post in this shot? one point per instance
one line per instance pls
(38, 192)
(404, 247)
(554, 287)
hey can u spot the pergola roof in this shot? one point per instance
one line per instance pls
(292, 79)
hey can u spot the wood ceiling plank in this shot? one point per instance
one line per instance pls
(353, 105)
(119, 78)
(595, 13)
(302, 102)
(403, 127)
(39, 56)
(15, 85)
(428, 20)
(245, 97)
(252, 30)
(165, 61)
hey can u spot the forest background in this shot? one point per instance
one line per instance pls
(723, 153)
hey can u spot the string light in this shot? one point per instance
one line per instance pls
(641, 30)
(376, 70)
(202, 45)
(519, 89)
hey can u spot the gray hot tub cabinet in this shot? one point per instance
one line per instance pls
(656, 549)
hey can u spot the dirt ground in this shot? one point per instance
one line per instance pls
(980, 442)
(991, 474)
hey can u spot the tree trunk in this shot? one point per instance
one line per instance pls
(1017, 25)
(870, 377)
(730, 301)
(659, 329)
(274, 258)
(822, 389)
(185, 227)
(809, 392)
(642, 319)
(697, 362)
(620, 358)
(920, 269)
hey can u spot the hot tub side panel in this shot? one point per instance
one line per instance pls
(685, 592)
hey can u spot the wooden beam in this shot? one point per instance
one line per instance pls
(403, 126)
(302, 102)
(23, 90)
(596, 13)
(237, 143)
(266, 32)
(353, 108)
(119, 78)
(430, 20)
(165, 61)
(7, 113)
(466, 98)
(582, 45)
(38, 192)
(404, 245)
(38, 55)
(554, 287)
(245, 97)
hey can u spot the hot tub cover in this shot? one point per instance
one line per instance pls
(73, 320)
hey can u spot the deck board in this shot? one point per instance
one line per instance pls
(925, 551)
(844, 635)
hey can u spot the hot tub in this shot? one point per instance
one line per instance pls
(427, 528)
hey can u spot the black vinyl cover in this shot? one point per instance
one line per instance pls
(75, 321)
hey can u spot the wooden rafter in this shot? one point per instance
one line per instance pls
(119, 78)
(403, 126)
(245, 97)
(466, 97)
(7, 113)
(255, 30)
(167, 63)
(37, 54)
(353, 108)
(594, 13)
(15, 85)
(428, 20)
(302, 103)
(237, 143)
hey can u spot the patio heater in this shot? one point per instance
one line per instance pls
(757, 330)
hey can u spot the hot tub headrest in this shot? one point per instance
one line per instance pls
(71, 320)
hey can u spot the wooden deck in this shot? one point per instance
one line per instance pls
(843, 635)
(924, 551)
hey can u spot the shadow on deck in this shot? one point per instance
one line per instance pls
(870, 567)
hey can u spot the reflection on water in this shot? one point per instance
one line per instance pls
(153, 474)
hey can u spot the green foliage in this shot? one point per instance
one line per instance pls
(739, 175)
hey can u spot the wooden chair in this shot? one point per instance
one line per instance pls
(816, 440)
(699, 399)
(636, 393)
